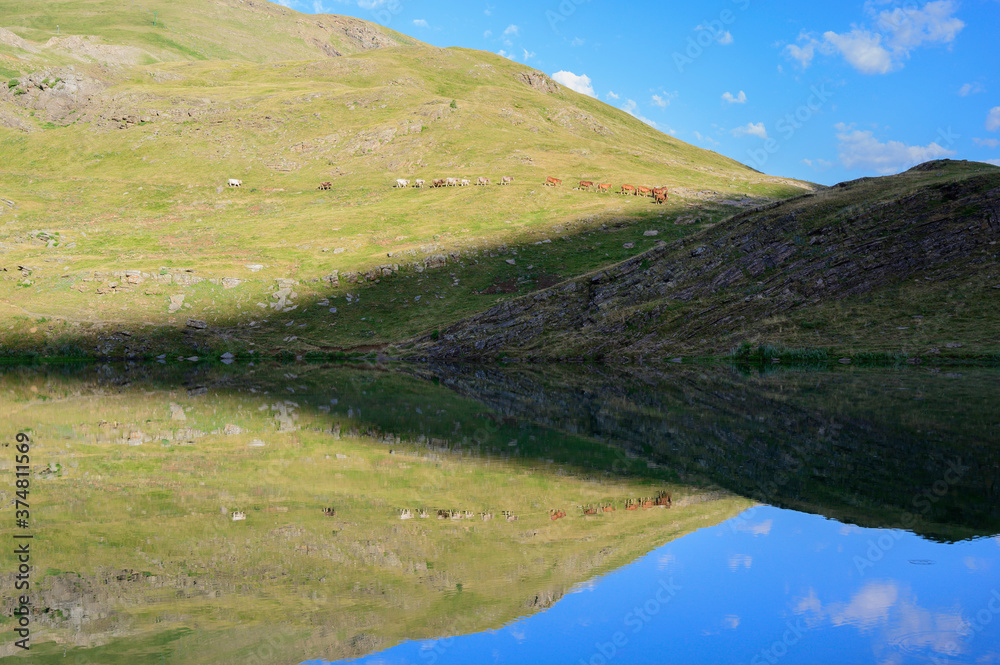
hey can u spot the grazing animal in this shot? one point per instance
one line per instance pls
(233, 182)
(239, 515)
(482, 181)
(329, 512)
(552, 182)
(439, 182)
(556, 514)
(661, 198)
(506, 180)
(400, 183)
(586, 184)
(628, 189)
(418, 183)
(325, 185)
(405, 515)
(645, 191)
(451, 182)
(604, 187)
(464, 183)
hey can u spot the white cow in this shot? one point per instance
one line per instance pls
(233, 182)
(465, 183)
(452, 182)
(418, 183)
(402, 183)
(482, 181)
(506, 180)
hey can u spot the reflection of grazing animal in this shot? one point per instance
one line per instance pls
(663, 499)
(329, 512)
(443, 514)
(590, 511)
(486, 516)
(405, 515)
(239, 515)
(423, 514)
(630, 505)
(552, 182)
(509, 516)
(556, 514)
(609, 508)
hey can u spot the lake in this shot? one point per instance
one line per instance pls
(269, 513)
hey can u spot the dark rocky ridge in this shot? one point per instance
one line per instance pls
(937, 222)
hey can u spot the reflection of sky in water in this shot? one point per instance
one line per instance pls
(768, 586)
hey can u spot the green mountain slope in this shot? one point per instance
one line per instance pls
(904, 264)
(118, 215)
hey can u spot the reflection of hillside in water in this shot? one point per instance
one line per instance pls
(886, 448)
(139, 469)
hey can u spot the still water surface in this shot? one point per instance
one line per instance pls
(846, 516)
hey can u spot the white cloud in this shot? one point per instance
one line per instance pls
(631, 107)
(751, 129)
(861, 150)
(528, 54)
(970, 89)
(581, 83)
(318, 7)
(887, 46)
(994, 162)
(420, 23)
(487, 34)
(987, 143)
(741, 98)
(612, 95)
(509, 56)
(705, 139)
(725, 38)
(817, 164)
(577, 42)
(993, 119)
(863, 50)
(660, 101)
(512, 30)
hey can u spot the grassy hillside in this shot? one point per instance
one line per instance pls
(903, 266)
(115, 169)
(133, 33)
(137, 560)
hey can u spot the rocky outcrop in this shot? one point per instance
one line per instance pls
(848, 241)
(538, 81)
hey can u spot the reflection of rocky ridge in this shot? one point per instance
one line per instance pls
(780, 439)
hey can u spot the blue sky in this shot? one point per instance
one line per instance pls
(820, 91)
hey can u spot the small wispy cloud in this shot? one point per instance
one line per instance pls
(740, 98)
(751, 129)
(420, 23)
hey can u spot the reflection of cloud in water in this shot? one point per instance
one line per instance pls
(666, 562)
(759, 529)
(738, 561)
(732, 622)
(905, 627)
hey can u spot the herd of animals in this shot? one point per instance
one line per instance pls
(658, 194)
(661, 500)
